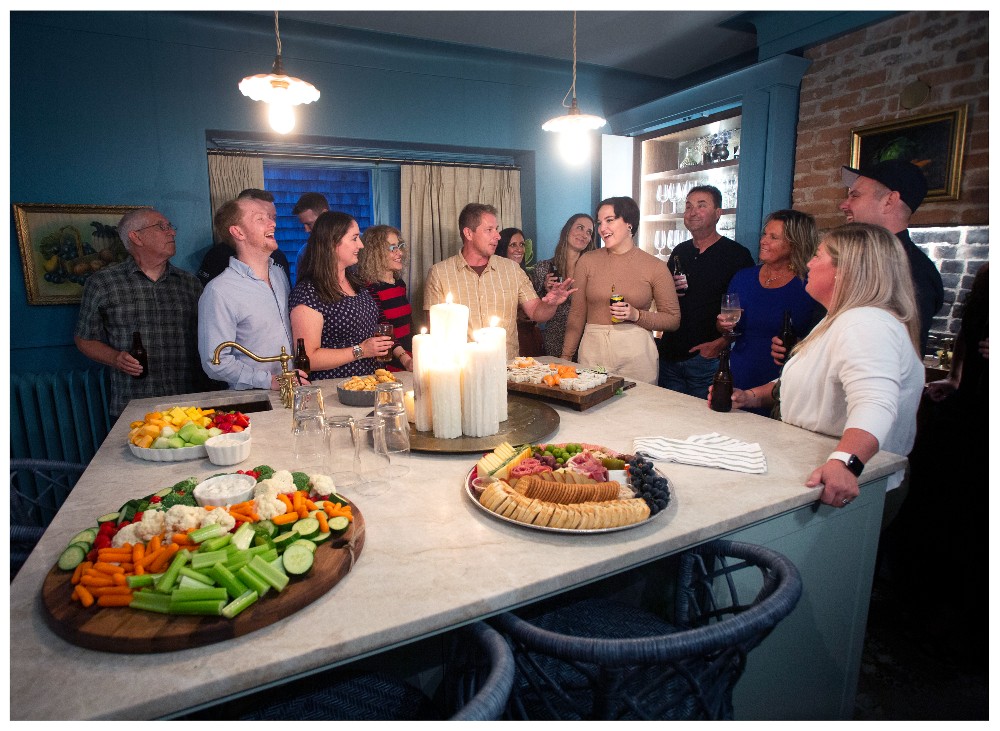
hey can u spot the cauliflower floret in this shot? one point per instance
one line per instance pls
(141, 531)
(128, 534)
(285, 479)
(222, 517)
(275, 486)
(181, 518)
(267, 505)
(322, 484)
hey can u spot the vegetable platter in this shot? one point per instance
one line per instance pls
(201, 579)
(568, 488)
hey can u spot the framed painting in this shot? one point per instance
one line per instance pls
(62, 245)
(934, 142)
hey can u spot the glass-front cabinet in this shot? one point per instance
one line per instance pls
(670, 165)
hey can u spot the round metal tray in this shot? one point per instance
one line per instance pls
(528, 420)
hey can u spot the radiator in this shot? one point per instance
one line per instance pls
(60, 416)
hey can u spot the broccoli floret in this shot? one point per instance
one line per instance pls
(263, 472)
(301, 480)
(175, 498)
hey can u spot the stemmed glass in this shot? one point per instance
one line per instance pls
(730, 314)
(660, 242)
(661, 196)
(680, 196)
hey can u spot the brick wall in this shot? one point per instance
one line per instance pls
(856, 80)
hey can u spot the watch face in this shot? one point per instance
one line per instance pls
(855, 465)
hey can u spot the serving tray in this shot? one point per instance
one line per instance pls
(579, 400)
(528, 420)
(131, 631)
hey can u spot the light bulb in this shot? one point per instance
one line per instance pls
(281, 117)
(574, 146)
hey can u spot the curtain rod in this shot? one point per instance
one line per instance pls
(357, 158)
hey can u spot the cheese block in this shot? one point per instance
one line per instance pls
(501, 461)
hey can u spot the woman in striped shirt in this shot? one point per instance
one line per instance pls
(380, 265)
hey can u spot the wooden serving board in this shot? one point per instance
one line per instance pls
(579, 400)
(131, 631)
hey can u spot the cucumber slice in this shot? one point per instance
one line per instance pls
(164, 492)
(286, 539)
(71, 558)
(305, 542)
(83, 545)
(85, 536)
(297, 560)
(320, 537)
(108, 518)
(267, 528)
(337, 499)
(338, 526)
(306, 527)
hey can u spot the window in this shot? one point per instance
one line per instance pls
(346, 189)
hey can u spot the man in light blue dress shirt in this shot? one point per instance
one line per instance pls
(248, 302)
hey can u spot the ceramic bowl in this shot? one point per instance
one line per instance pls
(227, 449)
(225, 490)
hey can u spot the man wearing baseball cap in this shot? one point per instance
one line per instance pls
(886, 194)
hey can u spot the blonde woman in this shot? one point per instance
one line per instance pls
(620, 336)
(380, 266)
(857, 375)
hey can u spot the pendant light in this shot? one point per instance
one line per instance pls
(574, 126)
(280, 92)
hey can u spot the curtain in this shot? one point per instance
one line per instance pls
(431, 197)
(230, 175)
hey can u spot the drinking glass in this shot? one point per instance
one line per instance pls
(390, 408)
(343, 456)
(731, 313)
(371, 461)
(660, 242)
(309, 437)
(385, 329)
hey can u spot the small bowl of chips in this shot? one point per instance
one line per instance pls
(360, 390)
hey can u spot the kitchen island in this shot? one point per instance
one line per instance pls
(433, 561)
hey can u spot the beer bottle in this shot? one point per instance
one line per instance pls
(138, 352)
(301, 361)
(788, 336)
(681, 285)
(614, 299)
(722, 385)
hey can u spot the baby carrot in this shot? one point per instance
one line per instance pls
(90, 580)
(288, 503)
(324, 527)
(311, 505)
(119, 579)
(151, 556)
(181, 539)
(289, 517)
(138, 552)
(153, 544)
(115, 600)
(243, 517)
(111, 591)
(86, 598)
(78, 571)
(160, 564)
(109, 568)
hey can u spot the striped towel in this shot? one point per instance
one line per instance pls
(705, 450)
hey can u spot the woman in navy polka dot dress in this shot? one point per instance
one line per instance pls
(330, 308)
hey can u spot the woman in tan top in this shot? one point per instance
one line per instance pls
(619, 336)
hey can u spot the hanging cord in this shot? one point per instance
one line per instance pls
(572, 88)
(277, 34)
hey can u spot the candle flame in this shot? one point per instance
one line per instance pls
(448, 298)
(423, 331)
(494, 321)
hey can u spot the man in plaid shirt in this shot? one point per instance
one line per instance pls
(144, 294)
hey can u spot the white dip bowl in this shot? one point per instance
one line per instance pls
(227, 449)
(224, 490)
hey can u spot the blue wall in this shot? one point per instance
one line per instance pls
(112, 108)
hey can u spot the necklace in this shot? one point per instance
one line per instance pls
(771, 278)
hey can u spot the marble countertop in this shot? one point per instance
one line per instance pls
(443, 561)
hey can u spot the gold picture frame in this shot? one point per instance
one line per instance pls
(935, 142)
(62, 245)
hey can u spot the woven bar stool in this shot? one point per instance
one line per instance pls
(601, 659)
(38, 488)
(478, 680)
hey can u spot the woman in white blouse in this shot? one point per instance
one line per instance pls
(857, 375)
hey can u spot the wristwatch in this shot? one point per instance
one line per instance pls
(358, 352)
(854, 464)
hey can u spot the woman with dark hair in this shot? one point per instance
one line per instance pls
(619, 336)
(331, 310)
(576, 238)
(380, 265)
(857, 376)
(768, 290)
(529, 338)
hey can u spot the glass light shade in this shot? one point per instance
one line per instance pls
(574, 121)
(278, 87)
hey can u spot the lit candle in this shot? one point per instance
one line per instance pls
(450, 322)
(446, 392)
(480, 409)
(495, 340)
(410, 406)
(423, 347)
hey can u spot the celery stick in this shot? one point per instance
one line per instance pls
(237, 561)
(169, 578)
(140, 581)
(243, 536)
(192, 595)
(277, 579)
(151, 602)
(186, 582)
(216, 544)
(212, 530)
(253, 581)
(206, 606)
(196, 575)
(240, 603)
(226, 579)
(203, 560)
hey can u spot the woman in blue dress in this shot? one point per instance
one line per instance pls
(767, 291)
(330, 308)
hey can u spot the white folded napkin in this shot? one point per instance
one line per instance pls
(705, 450)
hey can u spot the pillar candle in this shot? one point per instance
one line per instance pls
(446, 392)
(423, 347)
(480, 409)
(411, 412)
(495, 339)
(450, 322)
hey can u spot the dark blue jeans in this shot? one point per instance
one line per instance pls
(692, 376)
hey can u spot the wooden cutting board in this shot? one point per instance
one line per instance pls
(579, 400)
(124, 630)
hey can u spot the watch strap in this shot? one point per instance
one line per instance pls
(854, 464)
(358, 352)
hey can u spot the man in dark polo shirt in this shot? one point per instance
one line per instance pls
(887, 194)
(689, 356)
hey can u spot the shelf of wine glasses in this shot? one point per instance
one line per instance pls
(690, 170)
(672, 217)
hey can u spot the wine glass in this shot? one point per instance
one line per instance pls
(660, 242)
(661, 196)
(730, 313)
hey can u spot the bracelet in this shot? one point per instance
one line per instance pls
(753, 394)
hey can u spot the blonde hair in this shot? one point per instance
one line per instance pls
(872, 271)
(373, 260)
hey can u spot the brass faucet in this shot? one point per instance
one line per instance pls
(287, 379)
